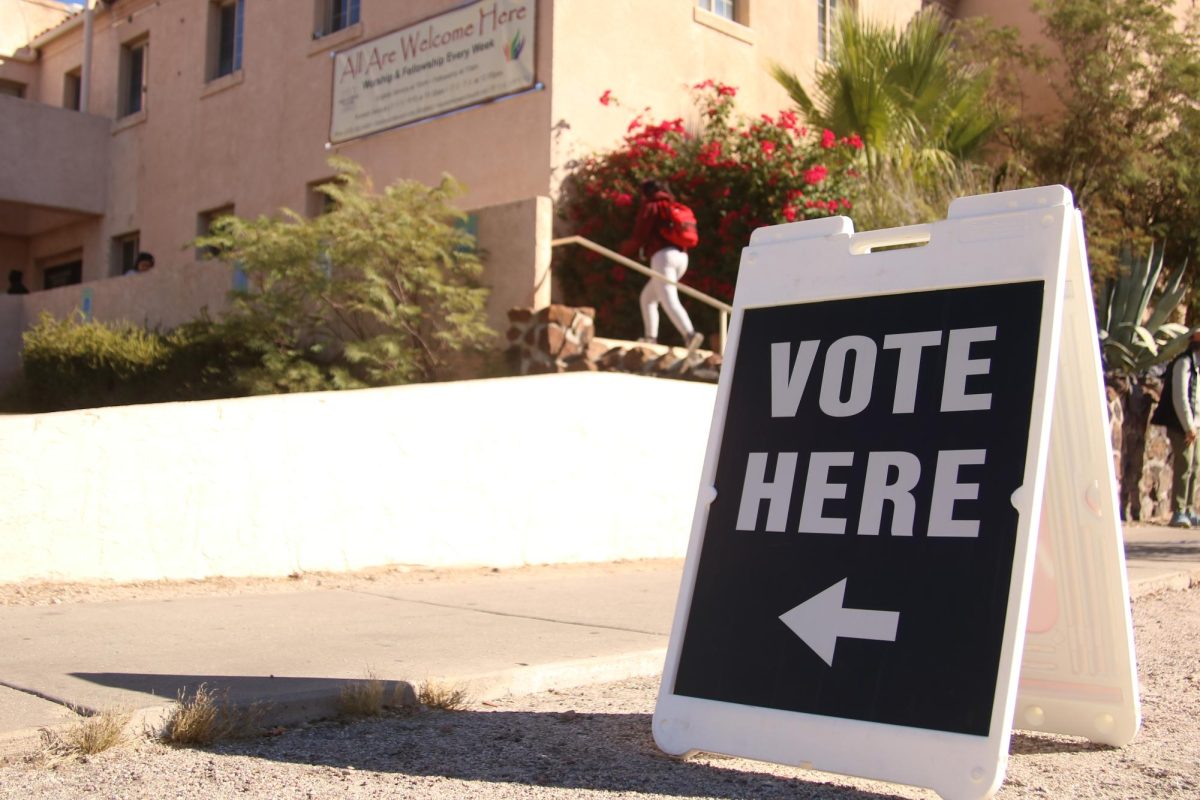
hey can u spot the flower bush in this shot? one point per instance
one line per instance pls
(737, 173)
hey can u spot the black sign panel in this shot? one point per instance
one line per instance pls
(857, 558)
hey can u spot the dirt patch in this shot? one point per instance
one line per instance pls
(45, 593)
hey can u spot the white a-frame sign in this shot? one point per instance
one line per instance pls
(906, 541)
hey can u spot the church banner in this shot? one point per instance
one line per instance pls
(467, 56)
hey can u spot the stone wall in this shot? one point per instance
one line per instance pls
(1141, 452)
(1155, 487)
(562, 339)
(552, 339)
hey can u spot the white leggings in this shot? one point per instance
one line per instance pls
(671, 263)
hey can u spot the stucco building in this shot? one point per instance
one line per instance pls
(22, 20)
(128, 125)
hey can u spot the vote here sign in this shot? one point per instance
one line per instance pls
(856, 560)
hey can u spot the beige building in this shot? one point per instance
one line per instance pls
(130, 124)
(22, 20)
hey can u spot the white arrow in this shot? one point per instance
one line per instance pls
(821, 619)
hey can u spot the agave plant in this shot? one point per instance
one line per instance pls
(1132, 338)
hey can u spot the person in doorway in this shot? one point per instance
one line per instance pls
(1179, 412)
(16, 282)
(652, 235)
(143, 263)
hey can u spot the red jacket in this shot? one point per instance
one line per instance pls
(645, 228)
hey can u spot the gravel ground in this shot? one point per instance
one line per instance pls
(595, 742)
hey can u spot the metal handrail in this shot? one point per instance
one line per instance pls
(723, 309)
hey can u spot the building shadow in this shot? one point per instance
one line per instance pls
(612, 752)
(241, 689)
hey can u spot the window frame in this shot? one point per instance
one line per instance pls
(220, 63)
(53, 270)
(131, 100)
(204, 221)
(317, 203)
(11, 88)
(72, 99)
(738, 26)
(125, 248)
(328, 20)
(711, 7)
(827, 11)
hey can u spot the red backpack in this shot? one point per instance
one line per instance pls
(677, 224)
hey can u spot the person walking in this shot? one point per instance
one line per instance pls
(661, 229)
(1179, 412)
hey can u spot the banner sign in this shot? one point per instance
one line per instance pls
(906, 536)
(473, 54)
(869, 454)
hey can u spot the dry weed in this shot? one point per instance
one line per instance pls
(446, 697)
(207, 716)
(362, 698)
(91, 734)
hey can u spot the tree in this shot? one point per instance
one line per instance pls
(1126, 137)
(898, 88)
(921, 110)
(381, 289)
(1123, 138)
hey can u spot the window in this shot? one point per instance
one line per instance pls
(72, 86)
(12, 88)
(225, 21)
(132, 84)
(124, 252)
(333, 15)
(204, 223)
(722, 8)
(62, 274)
(826, 17)
(319, 203)
(316, 201)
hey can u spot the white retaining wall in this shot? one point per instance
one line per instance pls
(546, 469)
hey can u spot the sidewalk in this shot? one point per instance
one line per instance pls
(496, 633)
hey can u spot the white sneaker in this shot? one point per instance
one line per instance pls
(694, 342)
(647, 340)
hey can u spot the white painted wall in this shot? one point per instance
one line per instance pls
(546, 469)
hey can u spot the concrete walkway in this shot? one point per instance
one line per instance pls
(494, 633)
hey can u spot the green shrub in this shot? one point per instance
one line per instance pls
(381, 289)
(73, 363)
(204, 361)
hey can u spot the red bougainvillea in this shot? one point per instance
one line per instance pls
(736, 173)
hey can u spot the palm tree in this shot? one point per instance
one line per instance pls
(921, 112)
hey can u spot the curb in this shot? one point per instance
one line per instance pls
(1164, 581)
(310, 705)
(317, 704)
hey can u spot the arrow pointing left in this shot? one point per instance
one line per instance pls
(822, 618)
